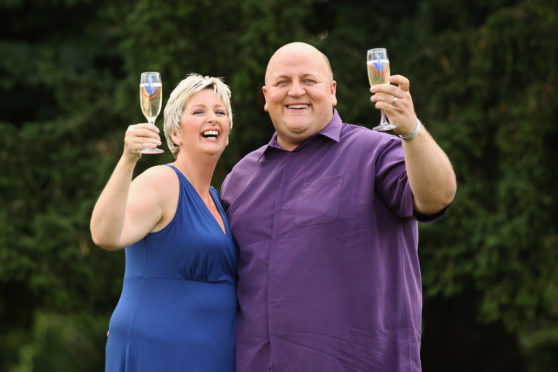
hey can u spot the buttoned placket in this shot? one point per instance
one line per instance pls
(273, 248)
(287, 162)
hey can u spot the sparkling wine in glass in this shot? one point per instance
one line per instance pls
(377, 65)
(151, 98)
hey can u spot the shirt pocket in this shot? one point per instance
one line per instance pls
(319, 201)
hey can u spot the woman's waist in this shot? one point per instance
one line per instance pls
(161, 295)
(184, 278)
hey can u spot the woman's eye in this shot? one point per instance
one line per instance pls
(223, 113)
(197, 112)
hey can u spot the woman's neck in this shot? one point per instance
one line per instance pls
(198, 171)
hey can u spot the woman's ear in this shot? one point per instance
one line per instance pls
(176, 138)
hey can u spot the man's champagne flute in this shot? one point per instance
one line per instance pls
(151, 98)
(377, 65)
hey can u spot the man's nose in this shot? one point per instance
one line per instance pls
(296, 89)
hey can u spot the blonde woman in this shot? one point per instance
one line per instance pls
(178, 309)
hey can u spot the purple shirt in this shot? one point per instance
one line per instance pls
(328, 276)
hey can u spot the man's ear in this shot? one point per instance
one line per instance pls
(264, 90)
(332, 92)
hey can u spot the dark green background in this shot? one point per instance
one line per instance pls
(484, 81)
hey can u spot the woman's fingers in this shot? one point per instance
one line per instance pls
(141, 136)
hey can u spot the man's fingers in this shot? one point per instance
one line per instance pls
(403, 83)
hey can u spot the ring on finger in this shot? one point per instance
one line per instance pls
(394, 100)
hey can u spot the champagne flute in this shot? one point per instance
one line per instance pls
(377, 65)
(151, 98)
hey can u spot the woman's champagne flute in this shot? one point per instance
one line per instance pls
(377, 65)
(151, 98)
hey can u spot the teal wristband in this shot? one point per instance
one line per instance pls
(413, 134)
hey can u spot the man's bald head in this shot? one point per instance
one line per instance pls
(298, 48)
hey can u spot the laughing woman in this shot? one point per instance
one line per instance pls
(178, 309)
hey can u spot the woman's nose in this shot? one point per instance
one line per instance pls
(211, 116)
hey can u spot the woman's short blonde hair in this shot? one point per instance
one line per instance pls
(179, 97)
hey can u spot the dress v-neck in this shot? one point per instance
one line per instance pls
(200, 200)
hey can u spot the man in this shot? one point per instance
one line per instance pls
(325, 217)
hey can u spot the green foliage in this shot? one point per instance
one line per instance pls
(499, 138)
(63, 343)
(496, 88)
(484, 81)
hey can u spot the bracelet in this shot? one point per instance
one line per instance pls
(413, 134)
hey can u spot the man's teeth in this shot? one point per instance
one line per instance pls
(297, 106)
(210, 133)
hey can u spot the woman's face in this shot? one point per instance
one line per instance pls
(204, 125)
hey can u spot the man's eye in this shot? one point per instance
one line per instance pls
(310, 81)
(281, 83)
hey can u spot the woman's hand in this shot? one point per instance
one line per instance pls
(139, 137)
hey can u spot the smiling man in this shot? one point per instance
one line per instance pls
(325, 216)
(299, 92)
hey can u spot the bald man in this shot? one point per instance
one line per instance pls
(325, 216)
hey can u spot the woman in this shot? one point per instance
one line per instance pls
(177, 310)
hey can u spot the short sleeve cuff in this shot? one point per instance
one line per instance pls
(430, 218)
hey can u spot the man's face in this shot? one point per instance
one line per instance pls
(299, 94)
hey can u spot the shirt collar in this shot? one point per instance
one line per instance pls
(332, 131)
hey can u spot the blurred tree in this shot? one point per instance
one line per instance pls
(488, 91)
(58, 72)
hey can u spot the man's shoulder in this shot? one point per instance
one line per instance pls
(251, 158)
(240, 174)
(246, 165)
(359, 134)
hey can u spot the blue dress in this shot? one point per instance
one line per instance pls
(178, 308)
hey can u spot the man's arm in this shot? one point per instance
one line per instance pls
(429, 170)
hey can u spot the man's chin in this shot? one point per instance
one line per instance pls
(298, 127)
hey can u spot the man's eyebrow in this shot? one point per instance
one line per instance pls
(280, 77)
(305, 75)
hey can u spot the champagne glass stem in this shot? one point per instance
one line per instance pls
(383, 118)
